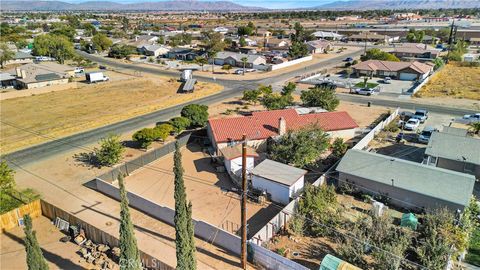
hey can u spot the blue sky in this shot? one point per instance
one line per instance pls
(273, 4)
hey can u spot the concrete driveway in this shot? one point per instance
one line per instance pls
(395, 88)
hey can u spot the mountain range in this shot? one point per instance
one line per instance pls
(182, 5)
(398, 4)
(194, 5)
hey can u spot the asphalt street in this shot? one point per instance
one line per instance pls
(232, 88)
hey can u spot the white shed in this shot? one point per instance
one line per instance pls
(279, 180)
(232, 158)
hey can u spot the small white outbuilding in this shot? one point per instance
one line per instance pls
(279, 180)
(232, 158)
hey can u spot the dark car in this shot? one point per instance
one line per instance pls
(102, 67)
(327, 85)
(348, 59)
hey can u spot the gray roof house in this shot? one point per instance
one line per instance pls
(282, 182)
(235, 59)
(408, 184)
(454, 152)
(154, 50)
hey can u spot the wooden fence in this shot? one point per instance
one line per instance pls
(11, 219)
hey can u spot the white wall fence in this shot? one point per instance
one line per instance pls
(291, 63)
(203, 230)
(363, 143)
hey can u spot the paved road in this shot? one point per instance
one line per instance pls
(231, 88)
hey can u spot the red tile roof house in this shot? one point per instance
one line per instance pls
(415, 51)
(407, 71)
(259, 126)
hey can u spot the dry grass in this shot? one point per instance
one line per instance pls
(453, 81)
(58, 114)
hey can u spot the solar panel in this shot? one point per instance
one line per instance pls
(47, 77)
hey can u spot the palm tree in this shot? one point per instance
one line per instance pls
(475, 127)
(244, 61)
(201, 61)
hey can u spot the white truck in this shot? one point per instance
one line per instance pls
(186, 75)
(94, 77)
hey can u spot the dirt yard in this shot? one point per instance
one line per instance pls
(207, 190)
(61, 113)
(58, 255)
(453, 81)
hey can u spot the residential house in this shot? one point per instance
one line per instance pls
(407, 184)
(21, 58)
(281, 182)
(232, 158)
(427, 39)
(43, 74)
(456, 152)
(262, 125)
(154, 50)
(319, 46)
(327, 35)
(415, 51)
(182, 54)
(277, 44)
(235, 60)
(263, 33)
(475, 41)
(7, 80)
(221, 29)
(407, 71)
(372, 37)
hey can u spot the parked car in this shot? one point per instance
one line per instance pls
(365, 91)
(411, 124)
(102, 67)
(79, 70)
(471, 118)
(348, 59)
(405, 115)
(327, 85)
(421, 115)
(425, 135)
(387, 80)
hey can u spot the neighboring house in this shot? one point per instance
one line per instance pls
(40, 75)
(259, 126)
(319, 46)
(21, 58)
(182, 54)
(7, 80)
(232, 158)
(281, 182)
(154, 50)
(221, 29)
(430, 40)
(327, 35)
(454, 152)
(415, 51)
(372, 37)
(263, 33)
(235, 59)
(408, 184)
(470, 57)
(279, 44)
(249, 42)
(407, 71)
(475, 41)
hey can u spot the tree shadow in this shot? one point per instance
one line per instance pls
(59, 261)
(87, 159)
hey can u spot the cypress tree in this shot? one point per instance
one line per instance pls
(35, 259)
(184, 231)
(129, 254)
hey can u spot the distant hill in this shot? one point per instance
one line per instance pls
(185, 5)
(399, 4)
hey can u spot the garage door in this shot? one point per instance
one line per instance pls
(408, 76)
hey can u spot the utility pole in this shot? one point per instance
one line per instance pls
(244, 203)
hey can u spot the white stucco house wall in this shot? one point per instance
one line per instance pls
(232, 158)
(281, 182)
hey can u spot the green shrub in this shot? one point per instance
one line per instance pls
(179, 124)
(144, 137)
(163, 131)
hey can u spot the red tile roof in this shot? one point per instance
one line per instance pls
(264, 124)
(374, 65)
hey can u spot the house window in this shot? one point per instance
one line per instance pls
(469, 167)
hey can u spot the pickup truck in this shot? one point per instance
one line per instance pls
(421, 115)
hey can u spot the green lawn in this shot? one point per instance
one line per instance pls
(18, 198)
(473, 255)
(369, 85)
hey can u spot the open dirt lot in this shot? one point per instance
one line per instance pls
(206, 189)
(453, 81)
(61, 113)
(58, 255)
